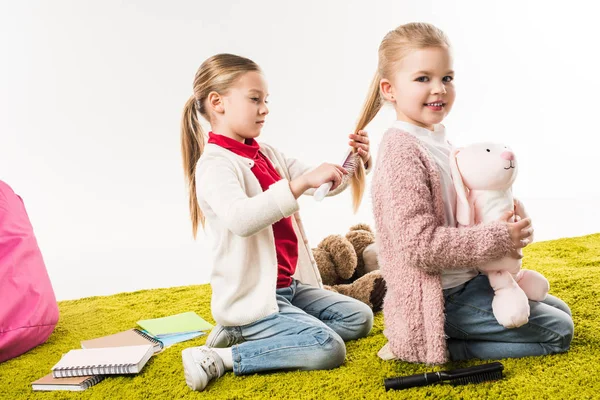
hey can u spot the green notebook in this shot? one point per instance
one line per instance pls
(179, 323)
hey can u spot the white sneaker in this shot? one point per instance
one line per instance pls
(218, 337)
(200, 365)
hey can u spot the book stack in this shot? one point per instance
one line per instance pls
(121, 353)
(79, 369)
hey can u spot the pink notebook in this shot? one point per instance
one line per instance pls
(131, 337)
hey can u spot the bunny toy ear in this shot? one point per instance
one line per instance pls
(464, 213)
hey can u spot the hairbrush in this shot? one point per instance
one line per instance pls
(462, 376)
(349, 163)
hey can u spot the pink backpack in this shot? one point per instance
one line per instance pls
(28, 309)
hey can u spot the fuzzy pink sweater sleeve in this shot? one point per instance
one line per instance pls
(405, 211)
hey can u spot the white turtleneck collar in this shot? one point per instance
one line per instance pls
(438, 135)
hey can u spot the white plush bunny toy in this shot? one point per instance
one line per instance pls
(483, 175)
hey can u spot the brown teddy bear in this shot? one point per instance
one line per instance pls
(348, 265)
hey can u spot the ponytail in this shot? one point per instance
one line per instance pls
(394, 46)
(216, 74)
(192, 146)
(370, 109)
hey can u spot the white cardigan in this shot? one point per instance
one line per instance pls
(239, 219)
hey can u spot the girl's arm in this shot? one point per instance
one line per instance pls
(296, 169)
(218, 186)
(406, 222)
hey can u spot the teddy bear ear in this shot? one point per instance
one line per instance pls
(464, 213)
(360, 227)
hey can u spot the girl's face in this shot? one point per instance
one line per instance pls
(244, 107)
(421, 88)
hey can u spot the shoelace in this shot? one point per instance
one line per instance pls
(209, 364)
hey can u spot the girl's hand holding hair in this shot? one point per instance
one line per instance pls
(360, 141)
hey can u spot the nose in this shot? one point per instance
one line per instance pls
(264, 110)
(508, 155)
(439, 89)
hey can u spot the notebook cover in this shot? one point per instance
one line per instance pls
(77, 383)
(170, 340)
(131, 337)
(76, 361)
(185, 322)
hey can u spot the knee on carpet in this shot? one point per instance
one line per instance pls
(362, 321)
(331, 351)
(564, 328)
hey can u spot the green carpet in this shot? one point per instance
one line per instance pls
(572, 266)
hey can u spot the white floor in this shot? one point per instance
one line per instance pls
(113, 270)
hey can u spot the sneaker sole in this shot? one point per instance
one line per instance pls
(195, 377)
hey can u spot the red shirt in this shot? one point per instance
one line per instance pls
(286, 242)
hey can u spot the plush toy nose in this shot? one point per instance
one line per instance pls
(508, 155)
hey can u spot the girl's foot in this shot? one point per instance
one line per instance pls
(200, 365)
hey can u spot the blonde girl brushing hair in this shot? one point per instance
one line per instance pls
(437, 305)
(267, 297)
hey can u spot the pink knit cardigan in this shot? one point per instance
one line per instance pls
(415, 246)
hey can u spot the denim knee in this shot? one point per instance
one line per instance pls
(363, 320)
(331, 353)
(564, 307)
(564, 328)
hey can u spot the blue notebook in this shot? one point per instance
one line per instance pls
(171, 339)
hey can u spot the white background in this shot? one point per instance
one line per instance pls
(91, 94)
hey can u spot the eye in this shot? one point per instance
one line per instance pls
(488, 150)
(422, 79)
(448, 79)
(254, 98)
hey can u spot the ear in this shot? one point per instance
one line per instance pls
(387, 90)
(215, 102)
(464, 212)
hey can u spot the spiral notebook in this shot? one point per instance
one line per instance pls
(103, 361)
(78, 383)
(131, 337)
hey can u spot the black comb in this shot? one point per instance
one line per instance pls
(462, 376)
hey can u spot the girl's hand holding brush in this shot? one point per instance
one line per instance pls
(324, 173)
(358, 141)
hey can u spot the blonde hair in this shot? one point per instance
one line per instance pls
(395, 45)
(216, 74)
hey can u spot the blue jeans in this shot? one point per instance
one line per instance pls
(307, 333)
(474, 332)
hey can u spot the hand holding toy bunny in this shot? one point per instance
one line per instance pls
(483, 175)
